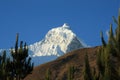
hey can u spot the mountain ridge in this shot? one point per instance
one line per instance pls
(59, 67)
(57, 42)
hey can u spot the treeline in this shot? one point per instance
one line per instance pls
(108, 58)
(18, 65)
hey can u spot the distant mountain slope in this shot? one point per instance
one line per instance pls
(59, 67)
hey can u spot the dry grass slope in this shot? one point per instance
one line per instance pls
(59, 67)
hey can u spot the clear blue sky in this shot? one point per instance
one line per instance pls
(33, 18)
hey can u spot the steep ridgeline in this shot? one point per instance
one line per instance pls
(57, 42)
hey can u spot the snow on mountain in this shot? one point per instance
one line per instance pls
(57, 42)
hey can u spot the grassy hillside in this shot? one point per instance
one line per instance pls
(59, 68)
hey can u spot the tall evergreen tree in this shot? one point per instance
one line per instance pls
(71, 73)
(5, 73)
(21, 63)
(48, 74)
(102, 39)
(87, 71)
(117, 36)
(108, 57)
(3, 63)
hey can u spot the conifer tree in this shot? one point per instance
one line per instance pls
(117, 36)
(87, 71)
(107, 69)
(5, 73)
(21, 63)
(108, 57)
(102, 39)
(47, 76)
(71, 73)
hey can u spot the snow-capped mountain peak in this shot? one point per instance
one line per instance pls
(57, 41)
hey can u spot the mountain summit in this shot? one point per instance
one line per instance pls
(57, 42)
(65, 25)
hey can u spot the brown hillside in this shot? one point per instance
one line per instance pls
(59, 67)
